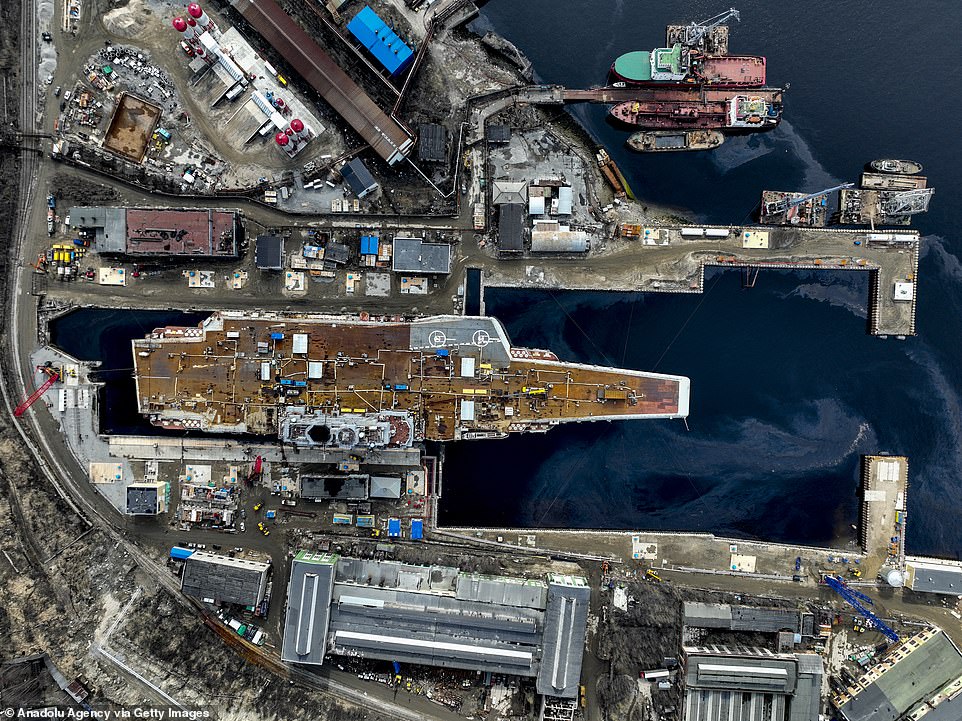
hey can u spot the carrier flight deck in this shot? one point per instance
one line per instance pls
(343, 382)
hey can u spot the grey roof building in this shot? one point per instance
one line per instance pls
(511, 228)
(509, 191)
(741, 618)
(213, 578)
(413, 255)
(269, 252)
(915, 677)
(932, 575)
(352, 487)
(497, 133)
(359, 178)
(439, 616)
(432, 142)
(308, 607)
(566, 620)
(385, 487)
(146, 499)
(725, 684)
(109, 225)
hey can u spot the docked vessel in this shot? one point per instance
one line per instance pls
(339, 382)
(656, 141)
(678, 65)
(899, 167)
(717, 110)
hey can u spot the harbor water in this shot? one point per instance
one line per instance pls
(788, 389)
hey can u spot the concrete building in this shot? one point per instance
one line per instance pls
(220, 579)
(497, 134)
(933, 575)
(439, 616)
(413, 255)
(385, 487)
(147, 499)
(921, 680)
(743, 684)
(359, 178)
(509, 191)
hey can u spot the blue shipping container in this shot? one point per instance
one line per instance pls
(417, 529)
(442, 352)
(394, 527)
(277, 336)
(180, 553)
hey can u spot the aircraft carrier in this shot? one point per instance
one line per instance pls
(316, 381)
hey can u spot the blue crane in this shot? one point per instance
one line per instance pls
(854, 599)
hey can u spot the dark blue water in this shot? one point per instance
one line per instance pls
(788, 390)
(102, 334)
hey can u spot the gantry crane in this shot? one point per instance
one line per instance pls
(855, 599)
(696, 31)
(786, 204)
(53, 375)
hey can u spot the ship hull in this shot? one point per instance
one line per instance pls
(723, 72)
(663, 141)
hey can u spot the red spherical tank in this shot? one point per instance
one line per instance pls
(194, 10)
(288, 132)
(296, 125)
(191, 22)
(180, 25)
(282, 139)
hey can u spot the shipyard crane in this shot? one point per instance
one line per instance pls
(855, 599)
(696, 31)
(255, 473)
(907, 202)
(52, 377)
(786, 204)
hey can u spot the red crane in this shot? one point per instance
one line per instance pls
(52, 377)
(255, 473)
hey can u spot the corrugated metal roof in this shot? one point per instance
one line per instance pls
(378, 37)
(388, 139)
(308, 608)
(413, 255)
(502, 590)
(432, 142)
(566, 622)
(385, 487)
(511, 228)
(228, 580)
(356, 174)
(936, 578)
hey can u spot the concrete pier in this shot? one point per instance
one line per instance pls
(882, 514)
(673, 259)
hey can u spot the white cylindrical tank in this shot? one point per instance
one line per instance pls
(895, 578)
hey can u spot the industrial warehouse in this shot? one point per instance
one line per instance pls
(437, 616)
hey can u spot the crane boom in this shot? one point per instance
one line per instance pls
(696, 31)
(852, 599)
(53, 377)
(785, 204)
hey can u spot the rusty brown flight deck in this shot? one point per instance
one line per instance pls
(336, 381)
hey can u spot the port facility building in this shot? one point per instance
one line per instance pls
(413, 255)
(933, 575)
(382, 42)
(440, 616)
(215, 578)
(160, 231)
(744, 684)
(389, 139)
(921, 679)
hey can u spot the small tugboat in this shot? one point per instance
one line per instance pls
(657, 141)
(896, 167)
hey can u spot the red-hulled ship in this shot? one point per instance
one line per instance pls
(663, 109)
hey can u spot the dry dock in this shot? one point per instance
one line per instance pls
(673, 259)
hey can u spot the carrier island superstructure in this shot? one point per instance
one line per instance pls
(340, 382)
